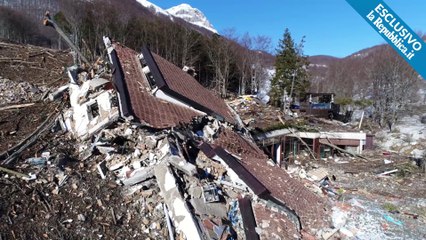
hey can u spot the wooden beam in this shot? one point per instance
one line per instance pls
(18, 174)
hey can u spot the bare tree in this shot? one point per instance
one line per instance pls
(189, 41)
(244, 61)
(394, 85)
(259, 74)
(74, 14)
(251, 54)
(16, 26)
(221, 57)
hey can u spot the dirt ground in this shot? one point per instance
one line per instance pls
(17, 124)
(27, 74)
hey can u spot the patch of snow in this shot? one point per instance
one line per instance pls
(408, 135)
(339, 217)
(265, 86)
(170, 182)
(366, 219)
(360, 55)
(417, 153)
(318, 65)
(191, 15)
(411, 126)
(154, 8)
(183, 11)
(421, 96)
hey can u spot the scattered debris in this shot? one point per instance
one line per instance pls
(210, 193)
(126, 145)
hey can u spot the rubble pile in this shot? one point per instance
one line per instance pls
(99, 172)
(139, 159)
(111, 184)
(254, 113)
(19, 92)
(260, 117)
(381, 198)
(132, 147)
(69, 200)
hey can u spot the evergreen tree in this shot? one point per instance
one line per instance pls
(291, 70)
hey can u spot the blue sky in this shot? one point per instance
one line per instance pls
(331, 27)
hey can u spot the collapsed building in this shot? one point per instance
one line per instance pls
(212, 176)
(148, 153)
(285, 144)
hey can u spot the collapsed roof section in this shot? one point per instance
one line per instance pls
(157, 93)
(135, 98)
(181, 85)
(283, 189)
(254, 184)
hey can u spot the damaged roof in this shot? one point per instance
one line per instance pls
(138, 100)
(183, 86)
(248, 218)
(308, 206)
(274, 224)
(257, 187)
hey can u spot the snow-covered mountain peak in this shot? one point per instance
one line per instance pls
(154, 8)
(191, 15)
(183, 11)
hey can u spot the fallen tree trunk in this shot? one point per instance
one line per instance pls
(18, 174)
(28, 141)
(16, 106)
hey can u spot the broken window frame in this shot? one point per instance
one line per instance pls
(93, 110)
(210, 193)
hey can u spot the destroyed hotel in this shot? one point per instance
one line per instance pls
(127, 145)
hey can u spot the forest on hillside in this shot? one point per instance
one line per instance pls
(228, 64)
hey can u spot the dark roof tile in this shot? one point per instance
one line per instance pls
(257, 187)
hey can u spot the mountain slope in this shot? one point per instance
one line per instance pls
(348, 76)
(344, 76)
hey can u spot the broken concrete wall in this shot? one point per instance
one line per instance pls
(178, 209)
(91, 110)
